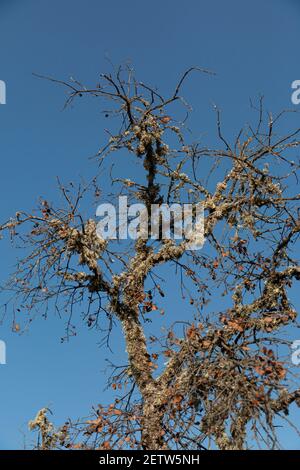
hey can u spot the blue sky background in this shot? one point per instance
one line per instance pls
(252, 46)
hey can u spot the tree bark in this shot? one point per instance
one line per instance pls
(153, 433)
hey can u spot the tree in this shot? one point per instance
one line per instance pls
(224, 381)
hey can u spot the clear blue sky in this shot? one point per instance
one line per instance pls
(253, 47)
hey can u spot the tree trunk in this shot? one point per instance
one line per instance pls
(152, 433)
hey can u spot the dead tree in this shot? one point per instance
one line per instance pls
(220, 377)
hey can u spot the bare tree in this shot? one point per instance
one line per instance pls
(219, 377)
